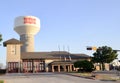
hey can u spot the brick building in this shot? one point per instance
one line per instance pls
(33, 62)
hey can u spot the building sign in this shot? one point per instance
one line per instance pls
(29, 20)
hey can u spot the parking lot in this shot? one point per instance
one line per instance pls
(47, 78)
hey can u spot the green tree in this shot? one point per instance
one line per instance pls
(0, 37)
(104, 55)
(84, 66)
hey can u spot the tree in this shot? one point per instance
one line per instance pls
(104, 55)
(0, 37)
(84, 66)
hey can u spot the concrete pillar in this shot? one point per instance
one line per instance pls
(47, 69)
(107, 66)
(6, 67)
(73, 68)
(70, 67)
(58, 68)
(53, 68)
(34, 66)
(19, 67)
(64, 68)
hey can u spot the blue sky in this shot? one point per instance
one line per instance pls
(73, 23)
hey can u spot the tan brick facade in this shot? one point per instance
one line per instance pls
(13, 53)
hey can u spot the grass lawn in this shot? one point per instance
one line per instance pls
(81, 74)
(1, 81)
(108, 77)
(100, 77)
(85, 74)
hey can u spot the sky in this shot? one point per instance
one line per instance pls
(65, 23)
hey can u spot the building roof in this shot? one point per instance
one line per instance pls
(53, 55)
(11, 41)
(60, 62)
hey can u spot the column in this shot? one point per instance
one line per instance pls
(70, 67)
(19, 68)
(58, 68)
(7, 67)
(53, 68)
(73, 68)
(33, 66)
(64, 68)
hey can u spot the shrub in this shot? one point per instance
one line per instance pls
(2, 71)
(84, 66)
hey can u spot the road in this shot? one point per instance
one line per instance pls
(46, 78)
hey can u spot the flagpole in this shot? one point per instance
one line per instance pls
(69, 53)
(63, 48)
(59, 52)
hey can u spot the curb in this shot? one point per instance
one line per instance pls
(109, 80)
(80, 76)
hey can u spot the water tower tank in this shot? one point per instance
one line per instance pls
(27, 27)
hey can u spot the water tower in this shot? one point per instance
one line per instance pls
(27, 27)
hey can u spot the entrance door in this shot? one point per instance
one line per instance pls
(38, 65)
(35, 65)
(13, 67)
(27, 66)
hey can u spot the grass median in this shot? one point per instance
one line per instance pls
(81, 74)
(1, 81)
(97, 76)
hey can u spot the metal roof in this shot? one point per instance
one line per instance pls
(52, 55)
(11, 41)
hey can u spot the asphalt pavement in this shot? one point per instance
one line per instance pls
(46, 78)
